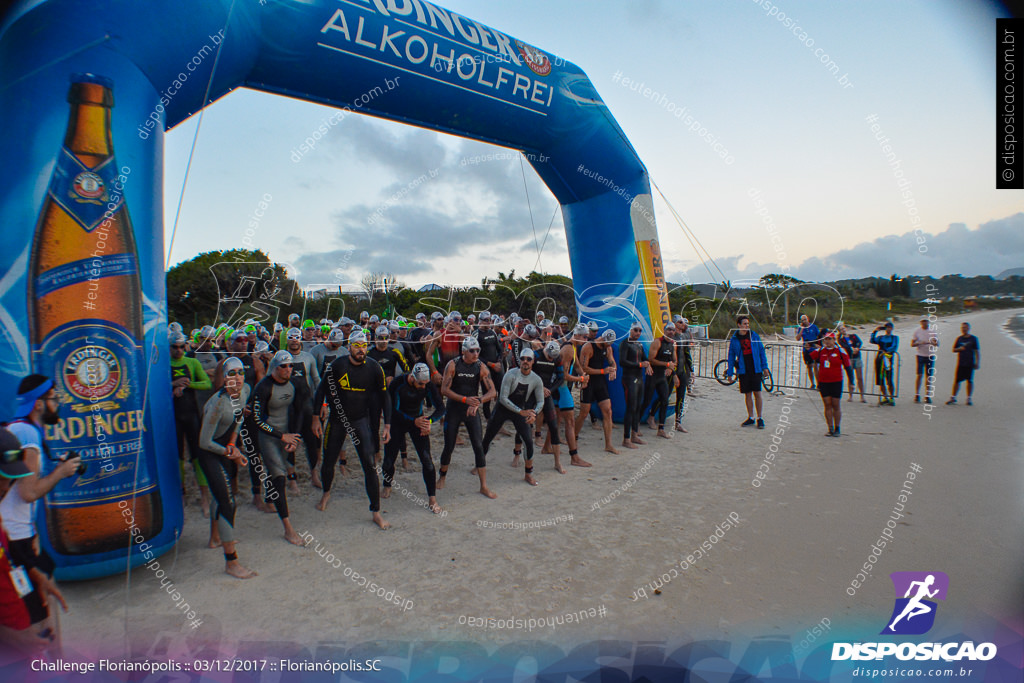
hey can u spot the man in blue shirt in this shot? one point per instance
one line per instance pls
(809, 334)
(888, 343)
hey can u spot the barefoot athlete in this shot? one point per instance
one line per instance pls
(520, 400)
(461, 384)
(566, 405)
(663, 362)
(830, 361)
(219, 459)
(598, 362)
(633, 358)
(277, 406)
(255, 371)
(349, 386)
(548, 366)
(304, 369)
(406, 396)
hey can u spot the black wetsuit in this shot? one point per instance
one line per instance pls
(350, 390)
(278, 409)
(659, 384)
(393, 363)
(631, 355)
(407, 405)
(466, 382)
(597, 386)
(552, 375)
(490, 353)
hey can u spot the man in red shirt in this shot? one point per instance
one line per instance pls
(830, 360)
(16, 628)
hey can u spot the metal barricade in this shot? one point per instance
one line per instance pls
(786, 364)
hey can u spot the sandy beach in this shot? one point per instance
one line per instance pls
(800, 539)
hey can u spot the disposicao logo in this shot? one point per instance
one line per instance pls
(914, 614)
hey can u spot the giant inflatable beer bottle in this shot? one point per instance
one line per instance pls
(86, 327)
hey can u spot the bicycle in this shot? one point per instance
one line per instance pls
(721, 366)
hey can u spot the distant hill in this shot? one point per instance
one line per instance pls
(1010, 272)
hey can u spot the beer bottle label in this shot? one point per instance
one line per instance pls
(87, 194)
(92, 268)
(100, 373)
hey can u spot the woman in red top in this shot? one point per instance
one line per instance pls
(831, 360)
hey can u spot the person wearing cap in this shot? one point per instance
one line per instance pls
(393, 363)
(520, 401)
(36, 406)
(598, 362)
(187, 376)
(888, 344)
(255, 370)
(461, 384)
(277, 409)
(208, 357)
(810, 335)
(407, 395)
(350, 386)
(633, 359)
(747, 359)
(548, 366)
(664, 363)
(25, 621)
(491, 348)
(415, 340)
(684, 341)
(852, 344)
(304, 369)
(219, 457)
(926, 341)
(831, 360)
(444, 346)
(331, 348)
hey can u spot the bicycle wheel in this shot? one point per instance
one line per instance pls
(768, 382)
(720, 368)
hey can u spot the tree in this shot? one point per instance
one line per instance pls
(225, 287)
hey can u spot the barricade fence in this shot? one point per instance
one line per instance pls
(787, 367)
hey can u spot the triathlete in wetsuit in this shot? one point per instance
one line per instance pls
(219, 458)
(597, 361)
(304, 369)
(406, 395)
(633, 359)
(521, 400)
(491, 348)
(393, 363)
(349, 386)
(277, 411)
(187, 376)
(548, 366)
(255, 370)
(663, 362)
(461, 384)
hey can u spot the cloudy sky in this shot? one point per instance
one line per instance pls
(805, 165)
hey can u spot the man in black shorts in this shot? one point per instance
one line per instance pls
(968, 360)
(598, 362)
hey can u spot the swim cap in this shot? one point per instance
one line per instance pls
(280, 358)
(420, 372)
(470, 344)
(232, 363)
(552, 349)
(527, 353)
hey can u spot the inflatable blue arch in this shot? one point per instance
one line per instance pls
(87, 90)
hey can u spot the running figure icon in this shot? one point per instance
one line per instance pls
(915, 606)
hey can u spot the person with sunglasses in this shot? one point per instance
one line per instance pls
(463, 378)
(255, 370)
(520, 401)
(277, 406)
(36, 405)
(598, 362)
(187, 377)
(223, 425)
(349, 387)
